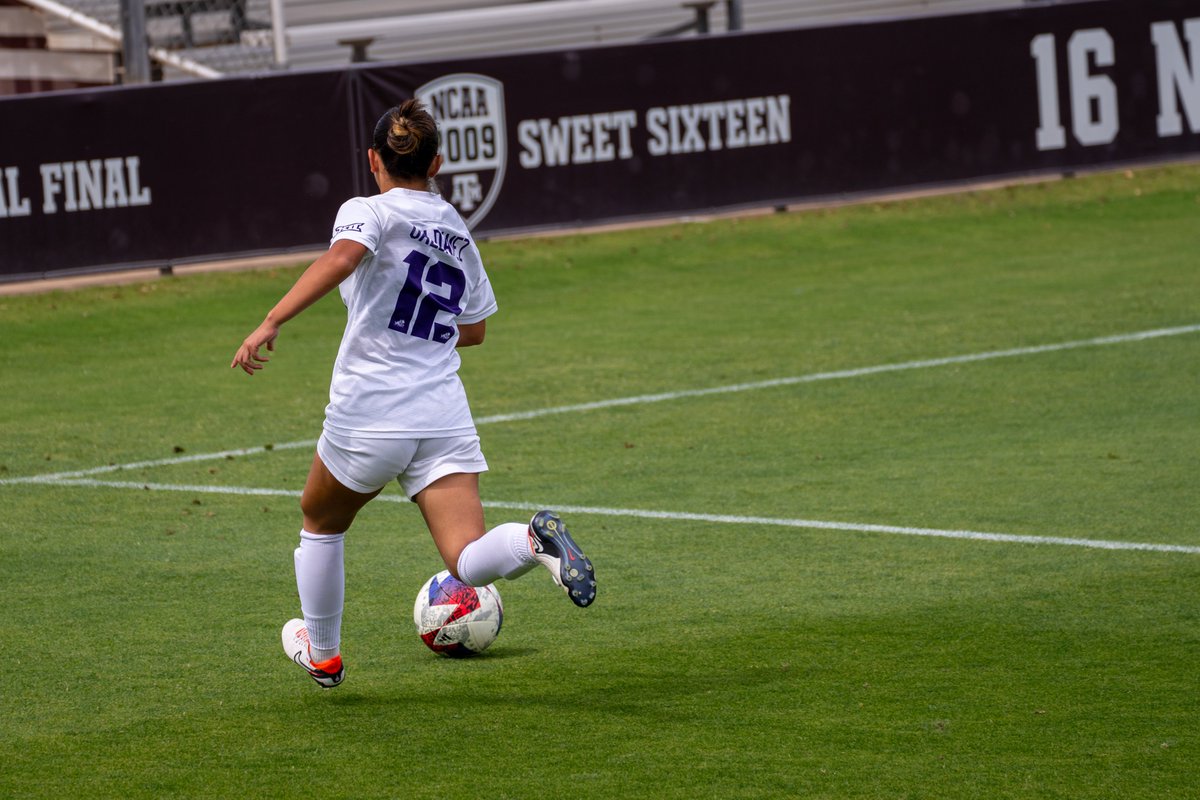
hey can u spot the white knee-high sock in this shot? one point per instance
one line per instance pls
(321, 581)
(502, 552)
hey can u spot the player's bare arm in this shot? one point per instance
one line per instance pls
(471, 334)
(333, 267)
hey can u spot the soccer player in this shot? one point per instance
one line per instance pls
(415, 290)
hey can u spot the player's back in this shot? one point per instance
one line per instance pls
(397, 366)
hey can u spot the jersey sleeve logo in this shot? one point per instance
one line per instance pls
(353, 226)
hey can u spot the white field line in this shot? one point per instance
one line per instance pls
(56, 477)
(846, 373)
(722, 519)
(660, 397)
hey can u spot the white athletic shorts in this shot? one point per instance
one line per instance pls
(367, 465)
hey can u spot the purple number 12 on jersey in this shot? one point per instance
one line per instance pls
(416, 309)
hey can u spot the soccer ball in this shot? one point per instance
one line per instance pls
(457, 620)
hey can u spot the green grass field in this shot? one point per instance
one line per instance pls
(754, 635)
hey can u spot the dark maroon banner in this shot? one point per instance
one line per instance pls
(113, 178)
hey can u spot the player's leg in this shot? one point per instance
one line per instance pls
(454, 516)
(329, 507)
(509, 550)
(443, 480)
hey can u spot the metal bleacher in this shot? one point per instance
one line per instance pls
(318, 37)
(209, 38)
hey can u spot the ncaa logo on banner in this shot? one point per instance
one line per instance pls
(469, 110)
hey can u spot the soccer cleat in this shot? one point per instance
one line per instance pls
(295, 644)
(557, 552)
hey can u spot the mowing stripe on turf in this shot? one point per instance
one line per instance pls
(660, 397)
(683, 516)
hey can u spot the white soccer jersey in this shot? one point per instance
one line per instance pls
(396, 373)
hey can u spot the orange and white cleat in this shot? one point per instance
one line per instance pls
(328, 673)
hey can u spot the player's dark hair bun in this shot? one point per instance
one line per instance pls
(406, 138)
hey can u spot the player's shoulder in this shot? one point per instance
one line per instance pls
(356, 218)
(360, 207)
(360, 202)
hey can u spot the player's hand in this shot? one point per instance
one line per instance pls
(248, 356)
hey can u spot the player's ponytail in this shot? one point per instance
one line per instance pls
(406, 138)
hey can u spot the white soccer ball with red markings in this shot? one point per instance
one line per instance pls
(457, 620)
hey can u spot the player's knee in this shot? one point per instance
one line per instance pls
(323, 520)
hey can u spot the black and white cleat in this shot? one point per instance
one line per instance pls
(558, 552)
